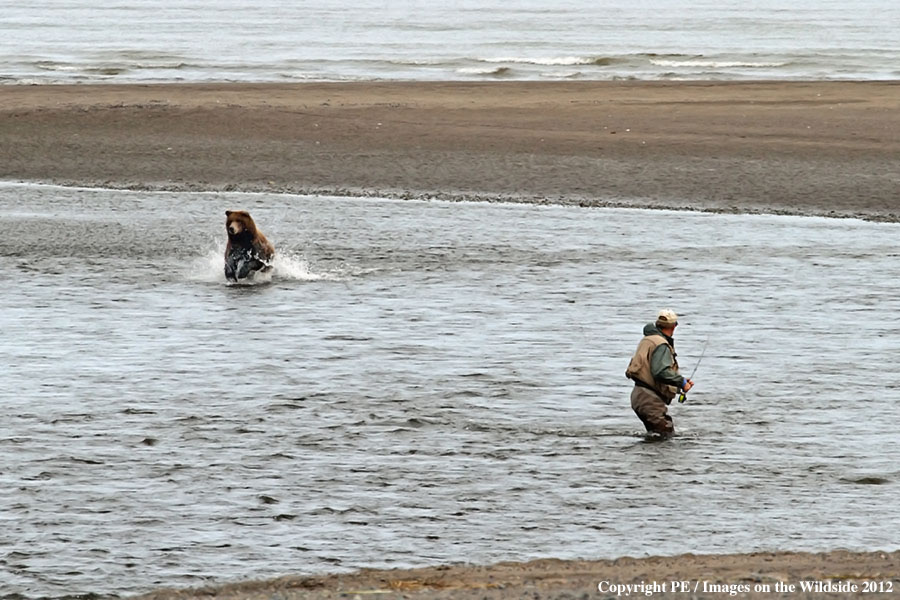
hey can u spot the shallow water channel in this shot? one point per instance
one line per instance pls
(424, 382)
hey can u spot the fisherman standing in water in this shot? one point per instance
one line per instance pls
(654, 370)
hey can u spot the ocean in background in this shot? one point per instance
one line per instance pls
(68, 41)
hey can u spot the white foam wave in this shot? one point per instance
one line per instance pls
(55, 66)
(483, 70)
(715, 64)
(561, 74)
(548, 62)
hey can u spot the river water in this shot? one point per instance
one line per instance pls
(426, 382)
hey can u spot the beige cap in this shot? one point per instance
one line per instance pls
(666, 318)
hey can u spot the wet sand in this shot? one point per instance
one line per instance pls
(757, 575)
(813, 148)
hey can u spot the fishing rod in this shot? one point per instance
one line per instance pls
(683, 395)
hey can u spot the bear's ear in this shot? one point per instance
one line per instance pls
(227, 213)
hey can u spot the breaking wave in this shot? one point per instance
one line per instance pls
(493, 71)
(716, 64)
(560, 61)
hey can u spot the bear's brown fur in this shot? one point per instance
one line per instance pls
(247, 250)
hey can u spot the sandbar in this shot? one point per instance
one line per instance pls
(826, 148)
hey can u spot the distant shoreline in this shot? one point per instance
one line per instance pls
(823, 148)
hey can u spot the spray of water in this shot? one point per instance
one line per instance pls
(286, 266)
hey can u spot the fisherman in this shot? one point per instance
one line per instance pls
(654, 370)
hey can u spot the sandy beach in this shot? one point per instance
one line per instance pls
(837, 574)
(809, 148)
(803, 148)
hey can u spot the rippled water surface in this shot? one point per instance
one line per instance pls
(422, 383)
(75, 41)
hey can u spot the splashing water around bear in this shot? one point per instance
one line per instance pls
(209, 268)
(294, 267)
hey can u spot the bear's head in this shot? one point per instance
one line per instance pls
(239, 224)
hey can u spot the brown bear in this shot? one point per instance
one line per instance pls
(248, 250)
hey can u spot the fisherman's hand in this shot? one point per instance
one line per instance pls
(688, 384)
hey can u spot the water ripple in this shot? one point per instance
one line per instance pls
(426, 383)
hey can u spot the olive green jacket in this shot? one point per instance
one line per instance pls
(662, 369)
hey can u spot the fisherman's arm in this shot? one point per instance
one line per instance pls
(662, 367)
